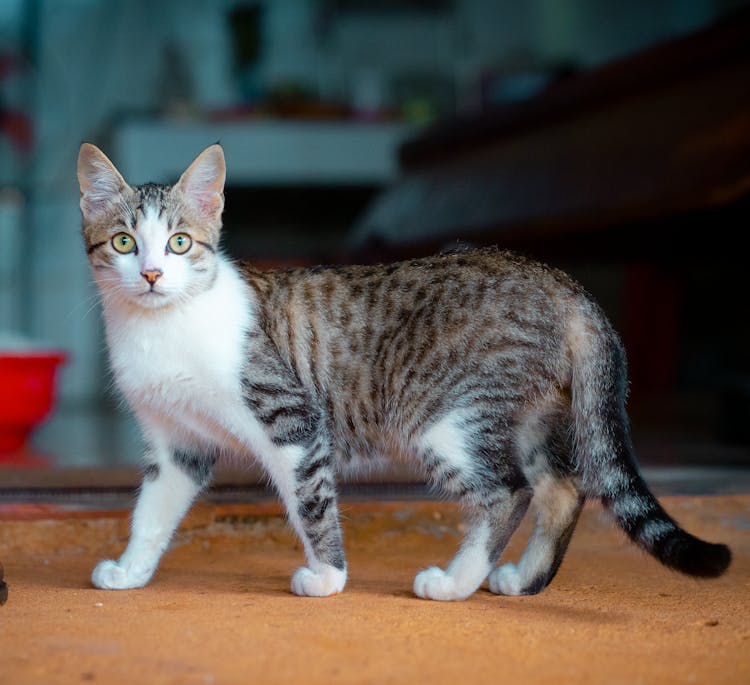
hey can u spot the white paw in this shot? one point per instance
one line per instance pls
(505, 580)
(434, 583)
(327, 581)
(109, 575)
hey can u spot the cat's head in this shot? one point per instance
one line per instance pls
(152, 245)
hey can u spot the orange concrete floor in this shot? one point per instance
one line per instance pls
(220, 611)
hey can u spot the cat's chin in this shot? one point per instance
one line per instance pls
(153, 299)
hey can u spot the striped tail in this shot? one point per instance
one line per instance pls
(605, 457)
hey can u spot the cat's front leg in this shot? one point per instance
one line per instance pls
(306, 483)
(171, 482)
(295, 448)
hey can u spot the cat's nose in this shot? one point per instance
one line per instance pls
(152, 275)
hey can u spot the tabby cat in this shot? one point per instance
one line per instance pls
(498, 375)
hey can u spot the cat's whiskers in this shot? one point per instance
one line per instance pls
(94, 297)
(98, 297)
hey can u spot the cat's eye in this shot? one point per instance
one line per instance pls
(179, 243)
(124, 243)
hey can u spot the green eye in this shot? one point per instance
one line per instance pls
(179, 243)
(124, 243)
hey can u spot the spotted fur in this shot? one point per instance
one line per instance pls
(498, 375)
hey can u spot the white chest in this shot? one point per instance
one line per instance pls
(187, 356)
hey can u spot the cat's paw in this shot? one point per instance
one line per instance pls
(327, 581)
(506, 580)
(434, 583)
(109, 575)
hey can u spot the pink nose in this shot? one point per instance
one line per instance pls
(152, 275)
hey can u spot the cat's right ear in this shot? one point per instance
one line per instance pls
(101, 184)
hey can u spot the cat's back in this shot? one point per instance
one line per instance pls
(479, 284)
(341, 326)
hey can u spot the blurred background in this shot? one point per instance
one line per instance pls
(608, 138)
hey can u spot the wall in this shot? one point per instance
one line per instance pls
(98, 62)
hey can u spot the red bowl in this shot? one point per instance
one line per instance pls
(27, 393)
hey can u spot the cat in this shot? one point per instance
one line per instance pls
(500, 376)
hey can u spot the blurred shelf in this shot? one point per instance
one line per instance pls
(264, 152)
(659, 134)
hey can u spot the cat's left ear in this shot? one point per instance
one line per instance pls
(202, 184)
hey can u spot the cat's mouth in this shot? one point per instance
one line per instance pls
(151, 296)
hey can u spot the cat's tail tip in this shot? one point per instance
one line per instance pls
(643, 519)
(685, 553)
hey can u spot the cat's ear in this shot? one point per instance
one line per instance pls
(202, 184)
(101, 184)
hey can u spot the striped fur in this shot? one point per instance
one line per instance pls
(498, 375)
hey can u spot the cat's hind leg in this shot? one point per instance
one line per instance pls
(544, 451)
(490, 528)
(558, 504)
(496, 494)
(171, 482)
